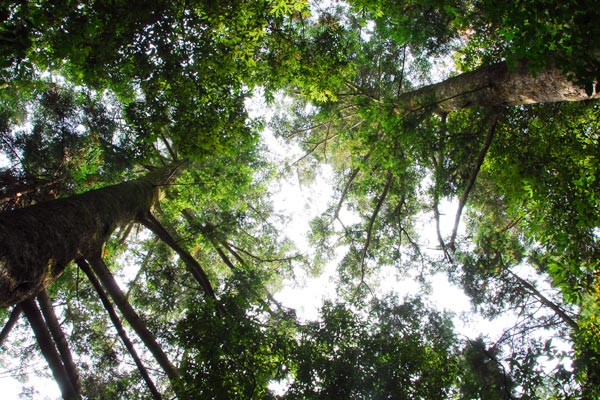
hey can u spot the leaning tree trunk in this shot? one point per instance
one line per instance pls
(37, 242)
(139, 326)
(119, 327)
(59, 339)
(493, 86)
(44, 339)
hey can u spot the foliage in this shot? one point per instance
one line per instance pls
(94, 92)
(388, 350)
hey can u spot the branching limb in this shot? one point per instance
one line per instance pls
(10, 324)
(119, 327)
(472, 178)
(59, 339)
(44, 339)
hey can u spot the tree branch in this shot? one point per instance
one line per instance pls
(472, 178)
(139, 326)
(544, 300)
(44, 339)
(149, 221)
(59, 339)
(119, 327)
(380, 201)
(10, 324)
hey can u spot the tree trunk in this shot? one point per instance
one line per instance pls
(119, 327)
(37, 242)
(138, 325)
(38, 325)
(493, 86)
(59, 340)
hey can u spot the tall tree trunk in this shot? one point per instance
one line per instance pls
(59, 340)
(119, 327)
(37, 242)
(38, 325)
(138, 325)
(492, 86)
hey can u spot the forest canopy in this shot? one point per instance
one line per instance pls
(142, 254)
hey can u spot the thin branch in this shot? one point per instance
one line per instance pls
(46, 344)
(472, 178)
(10, 324)
(119, 327)
(380, 201)
(345, 191)
(59, 339)
(230, 247)
(314, 147)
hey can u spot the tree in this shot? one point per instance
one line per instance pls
(388, 133)
(96, 95)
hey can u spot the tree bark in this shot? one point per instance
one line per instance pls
(119, 327)
(38, 325)
(493, 86)
(59, 340)
(37, 242)
(139, 326)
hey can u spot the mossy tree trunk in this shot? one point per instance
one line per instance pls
(38, 242)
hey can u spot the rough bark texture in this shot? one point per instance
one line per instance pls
(32, 312)
(492, 86)
(37, 242)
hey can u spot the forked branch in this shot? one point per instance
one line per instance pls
(44, 339)
(472, 178)
(119, 327)
(59, 339)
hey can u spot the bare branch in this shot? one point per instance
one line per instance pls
(119, 327)
(472, 178)
(10, 324)
(59, 339)
(380, 201)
